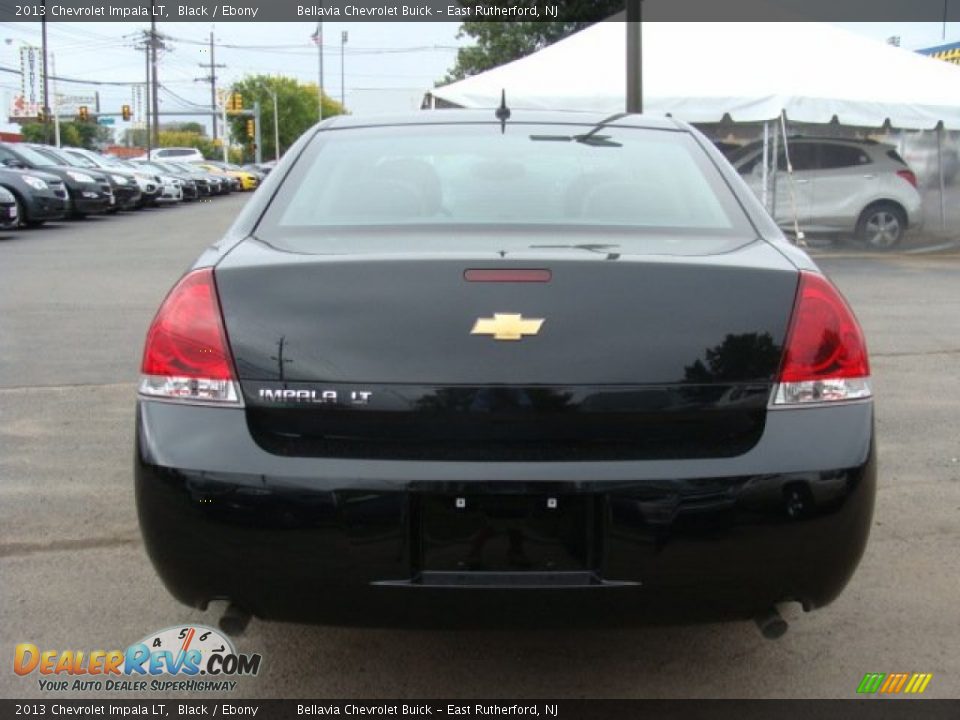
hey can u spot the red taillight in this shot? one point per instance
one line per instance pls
(186, 354)
(825, 357)
(908, 175)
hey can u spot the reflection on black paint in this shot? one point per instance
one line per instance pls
(495, 399)
(747, 355)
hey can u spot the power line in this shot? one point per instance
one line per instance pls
(192, 105)
(76, 81)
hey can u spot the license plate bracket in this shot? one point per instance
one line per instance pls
(520, 533)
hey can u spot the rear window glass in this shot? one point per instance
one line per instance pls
(476, 175)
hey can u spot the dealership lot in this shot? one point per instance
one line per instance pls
(75, 301)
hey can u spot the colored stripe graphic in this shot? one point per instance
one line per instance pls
(871, 683)
(894, 683)
(918, 683)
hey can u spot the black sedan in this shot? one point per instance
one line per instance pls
(40, 196)
(89, 191)
(207, 183)
(545, 368)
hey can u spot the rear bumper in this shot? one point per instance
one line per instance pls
(344, 541)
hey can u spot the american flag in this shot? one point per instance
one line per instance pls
(317, 36)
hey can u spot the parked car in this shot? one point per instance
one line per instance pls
(171, 190)
(215, 184)
(839, 186)
(263, 169)
(89, 192)
(150, 184)
(147, 185)
(185, 154)
(122, 182)
(9, 217)
(188, 184)
(40, 196)
(242, 180)
(204, 184)
(527, 368)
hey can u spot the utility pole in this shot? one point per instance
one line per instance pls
(212, 79)
(226, 131)
(55, 107)
(146, 94)
(276, 129)
(634, 53)
(319, 38)
(153, 71)
(257, 138)
(343, 92)
(46, 98)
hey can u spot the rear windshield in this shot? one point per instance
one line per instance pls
(571, 176)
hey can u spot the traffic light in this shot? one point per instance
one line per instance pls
(250, 128)
(125, 112)
(84, 113)
(236, 102)
(41, 117)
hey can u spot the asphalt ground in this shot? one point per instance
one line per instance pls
(75, 301)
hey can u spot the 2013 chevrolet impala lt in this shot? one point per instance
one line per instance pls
(477, 367)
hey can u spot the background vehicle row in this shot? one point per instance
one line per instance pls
(42, 183)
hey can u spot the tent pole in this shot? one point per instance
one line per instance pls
(634, 56)
(764, 178)
(943, 214)
(774, 153)
(798, 233)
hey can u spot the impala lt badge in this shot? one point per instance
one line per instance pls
(507, 326)
(321, 397)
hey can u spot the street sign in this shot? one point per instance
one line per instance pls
(105, 120)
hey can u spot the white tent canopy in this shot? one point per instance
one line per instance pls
(701, 72)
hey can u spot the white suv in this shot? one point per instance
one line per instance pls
(182, 154)
(839, 186)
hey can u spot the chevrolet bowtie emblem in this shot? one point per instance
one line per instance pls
(505, 326)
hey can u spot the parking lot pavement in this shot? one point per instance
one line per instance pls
(75, 301)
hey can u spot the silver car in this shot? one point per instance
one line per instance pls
(838, 186)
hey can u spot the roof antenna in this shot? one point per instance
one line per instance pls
(503, 112)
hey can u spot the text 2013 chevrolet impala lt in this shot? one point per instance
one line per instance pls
(556, 366)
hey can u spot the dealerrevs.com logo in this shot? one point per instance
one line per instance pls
(186, 657)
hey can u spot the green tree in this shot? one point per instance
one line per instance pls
(297, 111)
(501, 42)
(193, 127)
(72, 134)
(92, 135)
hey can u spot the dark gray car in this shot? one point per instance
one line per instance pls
(39, 196)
